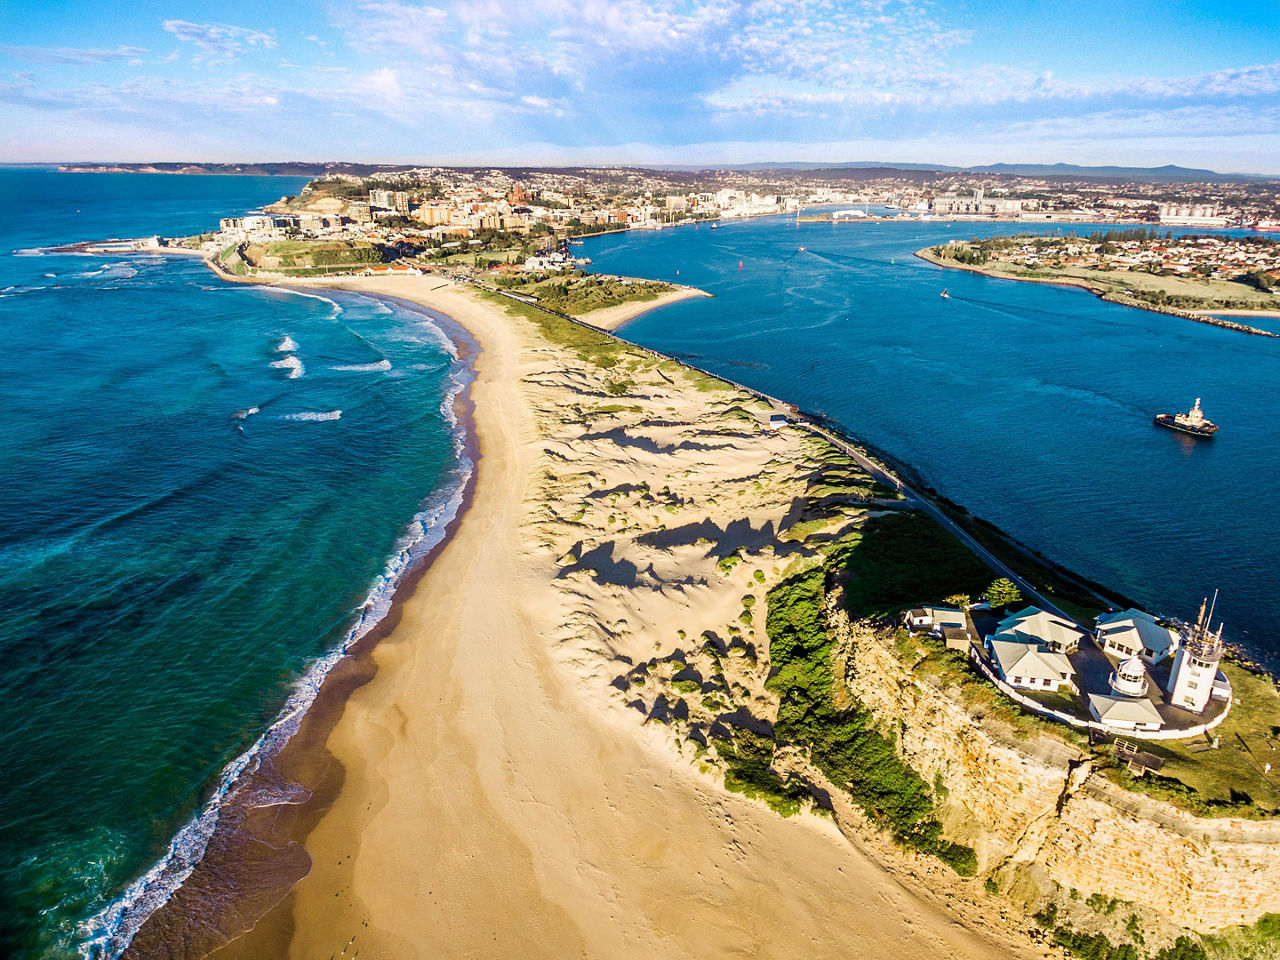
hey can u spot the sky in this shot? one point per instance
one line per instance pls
(564, 82)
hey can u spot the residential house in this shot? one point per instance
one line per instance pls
(1030, 666)
(1033, 625)
(1133, 633)
(1124, 713)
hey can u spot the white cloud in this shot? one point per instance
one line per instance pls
(72, 55)
(220, 40)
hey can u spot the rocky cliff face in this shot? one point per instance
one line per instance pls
(1036, 811)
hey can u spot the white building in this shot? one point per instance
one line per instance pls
(1124, 713)
(1195, 676)
(1201, 215)
(935, 619)
(1133, 633)
(949, 623)
(1035, 626)
(1030, 666)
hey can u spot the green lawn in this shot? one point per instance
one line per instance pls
(1233, 775)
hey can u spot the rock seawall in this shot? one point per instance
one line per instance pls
(1036, 810)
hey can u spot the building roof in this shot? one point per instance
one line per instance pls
(1137, 630)
(943, 616)
(1029, 661)
(1123, 710)
(1033, 625)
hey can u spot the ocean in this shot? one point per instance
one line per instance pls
(1028, 404)
(209, 489)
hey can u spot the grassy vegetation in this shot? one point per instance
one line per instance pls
(288, 254)
(843, 741)
(748, 759)
(1258, 941)
(581, 295)
(902, 559)
(593, 347)
(1230, 781)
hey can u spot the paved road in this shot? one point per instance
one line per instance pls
(930, 508)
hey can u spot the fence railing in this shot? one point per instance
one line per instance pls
(1181, 733)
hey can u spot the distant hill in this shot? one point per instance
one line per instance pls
(1169, 173)
(1070, 171)
(851, 170)
(289, 168)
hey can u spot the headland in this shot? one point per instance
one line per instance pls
(624, 620)
(505, 792)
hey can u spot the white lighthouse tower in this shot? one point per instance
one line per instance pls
(1196, 665)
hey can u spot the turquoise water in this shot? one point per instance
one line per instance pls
(207, 488)
(1031, 405)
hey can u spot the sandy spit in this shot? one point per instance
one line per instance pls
(502, 797)
(611, 318)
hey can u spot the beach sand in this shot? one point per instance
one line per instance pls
(611, 318)
(504, 794)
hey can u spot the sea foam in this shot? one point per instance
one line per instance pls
(287, 344)
(290, 363)
(313, 416)
(363, 367)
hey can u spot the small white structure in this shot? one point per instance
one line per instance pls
(946, 622)
(935, 619)
(1124, 713)
(1133, 633)
(1030, 666)
(778, 420)
(1035, 626)
(1130, 679)
(1195, 669)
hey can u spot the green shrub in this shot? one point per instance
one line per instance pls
(748, 759)
(843, 741)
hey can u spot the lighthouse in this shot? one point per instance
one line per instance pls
(1196, 666)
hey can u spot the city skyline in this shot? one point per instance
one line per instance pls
(1194, 84)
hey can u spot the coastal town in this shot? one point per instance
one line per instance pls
(1252, 260)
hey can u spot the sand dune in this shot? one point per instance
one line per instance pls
(511, 788)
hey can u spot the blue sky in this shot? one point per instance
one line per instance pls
(636, 81)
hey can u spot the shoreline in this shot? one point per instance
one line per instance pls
(246, 823)
(307, 758)
(348, 830)
(610, 319)
(1209, 317)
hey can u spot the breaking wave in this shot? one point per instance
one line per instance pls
(287, 344)
(290, 363)
(383, 365)
(313, 416)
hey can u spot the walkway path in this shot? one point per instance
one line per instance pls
(927, 506)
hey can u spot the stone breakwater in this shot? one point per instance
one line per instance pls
(1038, 814)
(1185, 314)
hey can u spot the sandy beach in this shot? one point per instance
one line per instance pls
(506, 792)
(611, 318)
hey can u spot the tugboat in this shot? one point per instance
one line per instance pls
(1193, 422)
